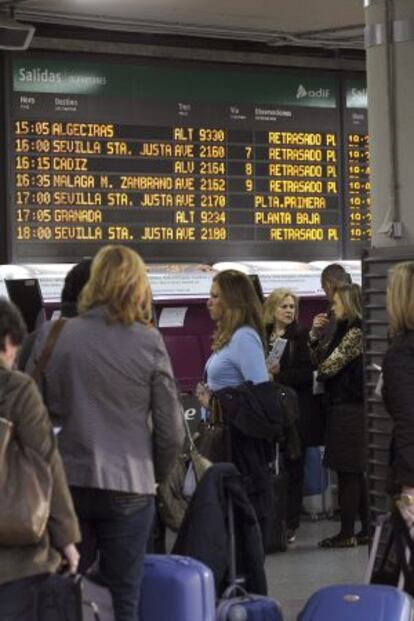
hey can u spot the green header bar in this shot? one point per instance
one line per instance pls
(130, 81)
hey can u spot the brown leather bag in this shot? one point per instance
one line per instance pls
(25, 490)
(212, 438)
(172, 503)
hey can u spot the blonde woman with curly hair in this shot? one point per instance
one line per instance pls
(110, 387)
(294, 369)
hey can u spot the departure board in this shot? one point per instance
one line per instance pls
(357, 163)
(180, 161)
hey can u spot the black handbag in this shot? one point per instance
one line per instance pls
(212, 438)
(405, 550)
(73, 598)
(386, 568)
(60, 599)
(391, 559)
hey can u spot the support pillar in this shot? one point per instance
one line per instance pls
(389, 40)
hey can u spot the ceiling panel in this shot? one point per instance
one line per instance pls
(290, 16)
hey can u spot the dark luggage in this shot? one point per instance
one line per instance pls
(60, 598)
(176, 588)
(358, 602)
(276, 526)
(73, 598)
(236, 604)
(392, 553)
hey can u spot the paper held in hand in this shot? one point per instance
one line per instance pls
(276, 352)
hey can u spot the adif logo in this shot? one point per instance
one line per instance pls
(301, 92)
(320, 93)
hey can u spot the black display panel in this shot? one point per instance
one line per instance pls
(181, 161)
(27, 295)
(4, 254)
(357, 169)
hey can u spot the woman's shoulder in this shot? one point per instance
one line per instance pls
(355, 329)
(349, 332)
(401, 346)
(352, 338)
(147, 330)
(13, 382)
(147, 337)
(353, 324)
(245, 332)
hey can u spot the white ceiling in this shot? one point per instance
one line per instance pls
(274, 21)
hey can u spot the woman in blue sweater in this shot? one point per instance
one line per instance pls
(239, 356)
(238, 342)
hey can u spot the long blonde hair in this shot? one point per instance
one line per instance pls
(240, 305)
(351, 298)
(400, 297)
(119, 281)
(274, 300)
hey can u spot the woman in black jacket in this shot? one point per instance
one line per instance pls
(294, 369)
(339, 365)
(398, 374)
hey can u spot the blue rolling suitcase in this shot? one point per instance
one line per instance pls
(316, 477)
(317, 492)
(358, 602)
(176, 588)
(238, 605)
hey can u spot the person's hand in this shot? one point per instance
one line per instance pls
(203, 394)
(71, 557)
(275, 368)
(407, 510)
(319, 323)
(408, 513)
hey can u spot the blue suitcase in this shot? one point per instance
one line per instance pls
(316, 476)
(317, 492)
(247, 607)
(176, 588)
(358, 602)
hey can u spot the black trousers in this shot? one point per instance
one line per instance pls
(295, 470)
(353, 501)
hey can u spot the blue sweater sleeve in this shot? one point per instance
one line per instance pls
(248, 355)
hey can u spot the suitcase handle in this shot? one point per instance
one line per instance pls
(94, 608)
(235, 589)
(381, 520)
